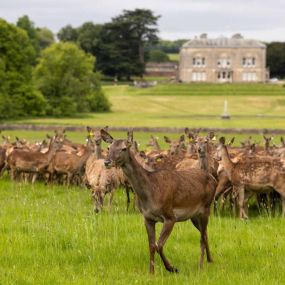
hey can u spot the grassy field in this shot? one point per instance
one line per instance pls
(173, 56)
(50, 235)
(181, 105)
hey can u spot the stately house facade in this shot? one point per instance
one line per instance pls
(223, 59)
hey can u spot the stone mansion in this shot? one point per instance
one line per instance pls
(223, 59)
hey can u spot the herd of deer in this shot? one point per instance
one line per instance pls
(169, 186)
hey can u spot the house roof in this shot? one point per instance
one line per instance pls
(236, 41)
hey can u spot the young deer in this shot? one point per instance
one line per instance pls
(164, 195)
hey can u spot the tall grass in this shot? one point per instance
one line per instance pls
(50, 235)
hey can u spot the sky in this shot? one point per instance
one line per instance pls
(258, 19)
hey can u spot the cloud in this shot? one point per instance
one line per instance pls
(260, 19)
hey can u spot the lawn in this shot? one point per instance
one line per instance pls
(50, 235)
(181, 105)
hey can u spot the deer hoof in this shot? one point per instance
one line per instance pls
(172, 269)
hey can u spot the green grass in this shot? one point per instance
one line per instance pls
(173, 56)
(181, 105)
(50, 235)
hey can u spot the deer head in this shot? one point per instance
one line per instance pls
(175, 146)
(118, 150)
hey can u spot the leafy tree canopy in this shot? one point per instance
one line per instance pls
(65, 77)
(276, 59)
(158, 56)
(18, 96)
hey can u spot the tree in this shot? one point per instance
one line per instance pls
(18, 97)
(158, 56)
(276, 59)
(87, 36)
(67, 34)
(26, 24)
(142, 28)
(120, 46)
(65, 77)
(45, 37)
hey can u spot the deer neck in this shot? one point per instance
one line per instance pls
(203, 162)
(226, 161)
(137, 176)
(98, 151)
(50, 153)
(156, 146)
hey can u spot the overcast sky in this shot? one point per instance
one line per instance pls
(259, 19)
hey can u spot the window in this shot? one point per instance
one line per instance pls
(199, 76)
(249, 76)
(248, 61)
(199, 61)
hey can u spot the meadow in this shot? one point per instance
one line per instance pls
(181, 105)
(50, 235)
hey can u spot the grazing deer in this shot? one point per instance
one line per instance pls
(167, 196)
(252, 175)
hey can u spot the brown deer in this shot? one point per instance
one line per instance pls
(252, 175)
(31, 161)
(167, 196)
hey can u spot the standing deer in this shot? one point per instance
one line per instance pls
(252, 175)
(164, 195)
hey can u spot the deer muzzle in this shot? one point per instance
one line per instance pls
(107, 163)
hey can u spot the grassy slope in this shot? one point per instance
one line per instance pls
(183, 105)
(49, 235)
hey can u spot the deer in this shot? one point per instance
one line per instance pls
(100, 180)
(166, 196)
(252, 175)
(31, 161)
(70, 164)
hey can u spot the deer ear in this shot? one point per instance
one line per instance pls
(63, 131)
(186, 131)
(222, 140)
(282, 140)
(106, 136)
(142, 154)
(167, 139)
(130, 136)
(264, 137)
(231, 141)
(182, 139)
(88, 129)
(106, 128)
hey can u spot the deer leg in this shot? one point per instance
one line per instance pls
(204, 238)
(34, 178)
(128, 197)
(283, 206)
(150, 228)
(98, 200)
(165, 233)
(111, 199)
(241, 202)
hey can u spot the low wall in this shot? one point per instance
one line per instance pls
(138, 129)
